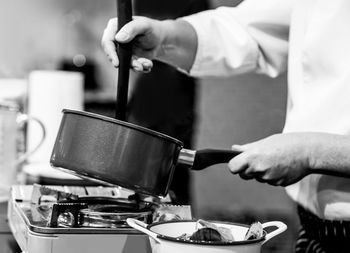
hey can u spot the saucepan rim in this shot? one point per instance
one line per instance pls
(124, 123)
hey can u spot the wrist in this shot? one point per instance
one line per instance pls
(329, 153)
(166, 39)
(178, 45)
(312, 155)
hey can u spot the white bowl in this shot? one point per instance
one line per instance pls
(163, 237)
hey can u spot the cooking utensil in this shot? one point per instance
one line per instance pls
(120, 153)
(164, 237)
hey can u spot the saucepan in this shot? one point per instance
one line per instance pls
(164, 237)
(120, 153)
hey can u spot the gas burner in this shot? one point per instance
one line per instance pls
(112, 216)
(126, 203)
(99, 212)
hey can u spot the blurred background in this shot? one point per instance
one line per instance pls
(209, 113)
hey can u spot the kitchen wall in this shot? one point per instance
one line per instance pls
(41, 34)
(238, 110)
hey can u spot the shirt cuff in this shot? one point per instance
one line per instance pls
(201, 45)
(224, 46)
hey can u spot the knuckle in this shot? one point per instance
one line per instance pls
(259, 167)
(103, 43)
(243, 157)
(266, 177)
(113, 21)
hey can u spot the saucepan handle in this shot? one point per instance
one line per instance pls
(142, 227)
(281, 227)
(204, 158)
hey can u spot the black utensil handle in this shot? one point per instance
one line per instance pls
(207, 157)
(124, 12)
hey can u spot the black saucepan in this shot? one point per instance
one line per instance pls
(124, 154)
(116, 152)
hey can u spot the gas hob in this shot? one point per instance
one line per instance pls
(37, 232)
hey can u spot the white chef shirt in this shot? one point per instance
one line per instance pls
(312, 38)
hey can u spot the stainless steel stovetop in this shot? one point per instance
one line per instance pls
(34, 234)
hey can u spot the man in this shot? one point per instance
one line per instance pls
(312, 39)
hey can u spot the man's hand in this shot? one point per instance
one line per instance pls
(170, 41)
(146, 36)
(280, 160)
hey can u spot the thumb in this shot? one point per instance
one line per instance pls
(238, 164)
(136, 27)
(238, 148)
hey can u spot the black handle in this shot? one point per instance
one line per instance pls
(124, 12)
(207, 157)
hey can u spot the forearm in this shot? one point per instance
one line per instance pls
(179, 44)
(330, 154)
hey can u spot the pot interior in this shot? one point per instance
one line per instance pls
(173, 229)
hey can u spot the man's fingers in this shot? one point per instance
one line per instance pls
(110, 30)
(128, 32)
(141, 64)
(238, 164)
(107, 41)
(111, 52)
(238, 148)
(146, 64)
(136, 65)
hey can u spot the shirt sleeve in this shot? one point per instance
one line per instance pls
(250, 37)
